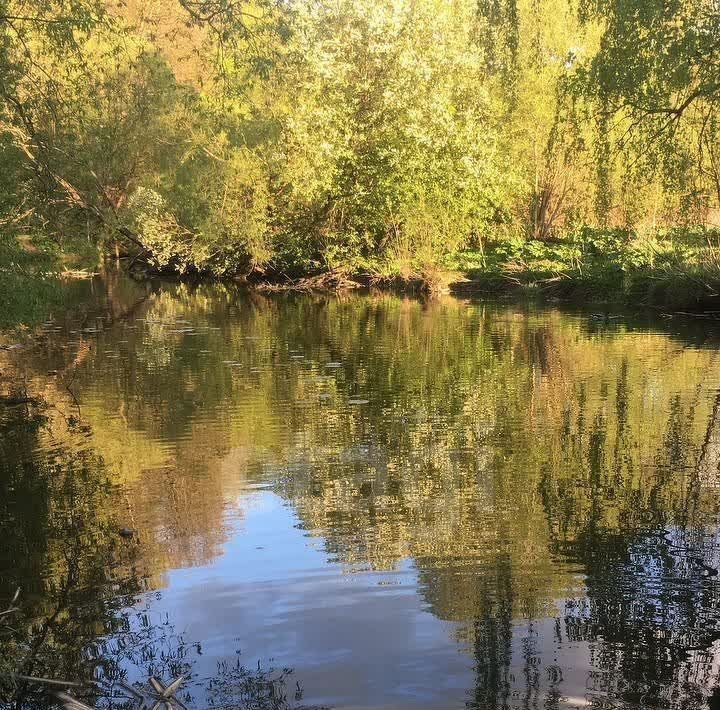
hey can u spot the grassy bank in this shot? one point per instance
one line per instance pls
(370, 140)
(675, 269)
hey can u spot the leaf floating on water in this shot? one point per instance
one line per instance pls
(358, 401)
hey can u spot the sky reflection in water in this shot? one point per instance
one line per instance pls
(411, 504)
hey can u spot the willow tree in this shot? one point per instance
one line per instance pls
(533, 49)
(654, 82)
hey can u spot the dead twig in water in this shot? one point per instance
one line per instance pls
(72, 394)
(165, 694)
(11, 607)
(157, 696)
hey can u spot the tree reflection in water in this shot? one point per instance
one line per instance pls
(553, 479)
(76, 616)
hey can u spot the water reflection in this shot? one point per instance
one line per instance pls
(414, 504)
(59, 551)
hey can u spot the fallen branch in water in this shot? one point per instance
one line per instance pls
(17, 401)
(47, 681)
(78, 274)
(70, 703)
(11, 607)
(157, 696)
(330, 281)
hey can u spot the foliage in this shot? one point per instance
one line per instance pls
(28, 285)
(229, 138)
(406, 139)
(653, 82)
(669, 268)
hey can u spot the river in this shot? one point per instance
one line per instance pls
(360, 501)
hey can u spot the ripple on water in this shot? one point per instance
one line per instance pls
(415, 505)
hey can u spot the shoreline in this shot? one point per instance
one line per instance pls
(667, 295)
(642, 291)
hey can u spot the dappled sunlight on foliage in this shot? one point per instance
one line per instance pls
(376, 139)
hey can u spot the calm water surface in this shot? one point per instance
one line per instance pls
(412, 505)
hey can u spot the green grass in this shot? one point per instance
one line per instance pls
(672, 269)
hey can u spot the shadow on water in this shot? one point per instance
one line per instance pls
(535, 488)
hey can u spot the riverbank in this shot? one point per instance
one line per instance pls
(676, 271)
(693, 291)
(672, 270)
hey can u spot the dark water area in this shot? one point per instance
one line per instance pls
(442, 504)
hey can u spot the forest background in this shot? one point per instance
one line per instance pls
(558, 145)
